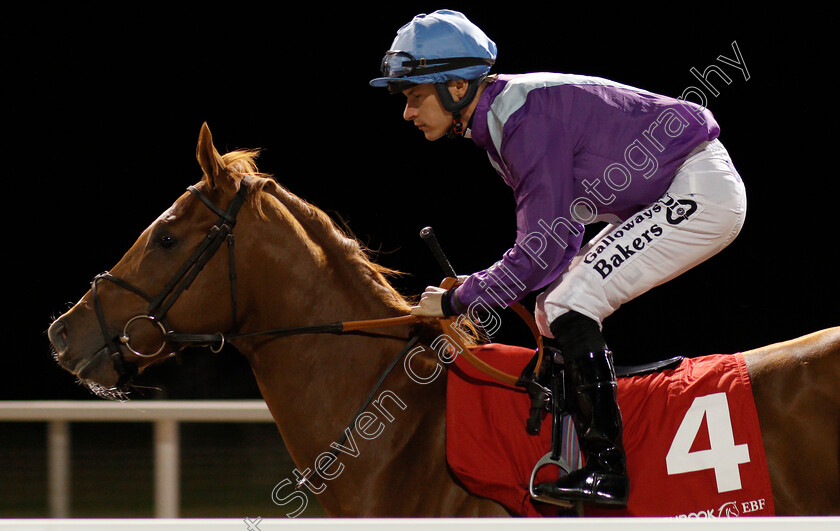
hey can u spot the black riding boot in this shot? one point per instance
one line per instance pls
(590, 378)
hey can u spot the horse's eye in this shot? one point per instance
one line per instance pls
(166, 241)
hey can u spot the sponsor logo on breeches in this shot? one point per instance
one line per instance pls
(638, 233)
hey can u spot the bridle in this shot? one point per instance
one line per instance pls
(159, 304)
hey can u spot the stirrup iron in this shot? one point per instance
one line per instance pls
(549, 459)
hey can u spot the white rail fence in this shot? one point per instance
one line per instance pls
(165, 415)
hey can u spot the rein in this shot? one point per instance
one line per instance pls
(343, 327)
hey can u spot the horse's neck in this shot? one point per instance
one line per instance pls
(293, 282)
(312, 272)
(313, 384)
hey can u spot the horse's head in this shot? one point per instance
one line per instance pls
(126, 321)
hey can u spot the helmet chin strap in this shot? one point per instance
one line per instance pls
(457, 128)
(455, 107)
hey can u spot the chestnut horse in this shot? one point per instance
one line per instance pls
(292, 267)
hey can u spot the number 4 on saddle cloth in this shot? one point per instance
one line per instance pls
(691, 436)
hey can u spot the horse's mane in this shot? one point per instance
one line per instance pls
(335, 239)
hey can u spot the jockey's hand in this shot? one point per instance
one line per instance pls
(430, 303)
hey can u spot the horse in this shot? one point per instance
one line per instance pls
(292, 269)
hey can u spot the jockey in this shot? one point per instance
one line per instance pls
(576, 150)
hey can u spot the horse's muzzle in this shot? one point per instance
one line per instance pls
(98, 367)
(57, 334)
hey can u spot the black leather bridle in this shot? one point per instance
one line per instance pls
(159, 305)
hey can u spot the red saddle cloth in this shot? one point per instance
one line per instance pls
(691, 436)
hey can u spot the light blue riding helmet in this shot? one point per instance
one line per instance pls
(436, 48)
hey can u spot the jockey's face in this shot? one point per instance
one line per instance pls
(423, 107)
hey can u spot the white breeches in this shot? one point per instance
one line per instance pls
(699, 215)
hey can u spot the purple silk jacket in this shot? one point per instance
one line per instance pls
(575, 150)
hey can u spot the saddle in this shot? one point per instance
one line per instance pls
(626, 371)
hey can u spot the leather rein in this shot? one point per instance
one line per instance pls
(222, 232)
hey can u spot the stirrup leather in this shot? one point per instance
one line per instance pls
(554, 456)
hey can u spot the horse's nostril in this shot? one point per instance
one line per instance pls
(57, 335)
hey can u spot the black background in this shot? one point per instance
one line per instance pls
(102, 109)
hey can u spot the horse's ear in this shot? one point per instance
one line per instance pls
(208, 158)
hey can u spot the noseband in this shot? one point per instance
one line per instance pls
(159, 305)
